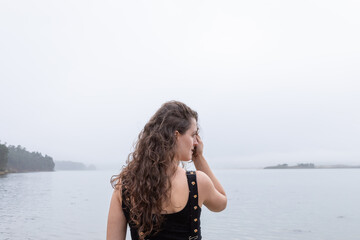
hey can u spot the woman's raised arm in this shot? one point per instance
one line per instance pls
(211, 191)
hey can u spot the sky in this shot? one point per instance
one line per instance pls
(273, 81)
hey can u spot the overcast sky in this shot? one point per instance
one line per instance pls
(273, 81)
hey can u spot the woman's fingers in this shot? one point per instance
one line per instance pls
(200, 145)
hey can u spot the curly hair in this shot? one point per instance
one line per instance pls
(145, 180)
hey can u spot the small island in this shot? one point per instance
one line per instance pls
(309, 166)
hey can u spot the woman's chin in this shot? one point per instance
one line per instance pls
(185, 160)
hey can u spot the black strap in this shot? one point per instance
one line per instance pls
(194, 207)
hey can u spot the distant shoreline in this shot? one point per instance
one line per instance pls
(72, 166)
(32, 171)
(311, 166)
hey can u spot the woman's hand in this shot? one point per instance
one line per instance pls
(198, 148)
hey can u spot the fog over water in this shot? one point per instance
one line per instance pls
(273, 82)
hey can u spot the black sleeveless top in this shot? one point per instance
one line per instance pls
(182, 225)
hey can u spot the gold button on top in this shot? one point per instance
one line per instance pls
(195, 196)
(195, 207)
(193, 183)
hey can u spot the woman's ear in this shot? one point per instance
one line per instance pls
(176, 134)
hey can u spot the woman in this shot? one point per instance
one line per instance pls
(153, 194)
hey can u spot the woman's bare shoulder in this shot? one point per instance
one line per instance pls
(202, 178)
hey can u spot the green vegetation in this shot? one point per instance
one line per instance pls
(3, 157)
(18, 159)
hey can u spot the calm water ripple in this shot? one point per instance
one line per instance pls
(314, 204)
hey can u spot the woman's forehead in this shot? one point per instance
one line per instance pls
(194, 125)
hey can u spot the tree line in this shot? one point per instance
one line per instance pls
(18, 159)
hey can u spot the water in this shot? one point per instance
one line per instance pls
(313, 204)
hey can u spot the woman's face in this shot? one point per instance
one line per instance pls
(186, 142)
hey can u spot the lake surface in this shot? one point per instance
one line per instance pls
(296, 204)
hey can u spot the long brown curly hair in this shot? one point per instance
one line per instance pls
(145, 180)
